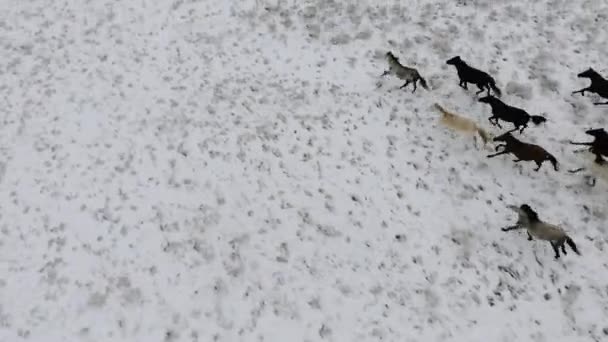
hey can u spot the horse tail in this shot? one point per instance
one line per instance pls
(441, 109)
(537, 119)
(572, 245)
(423, 82)
(553, 161)
(494, 87)
(485, 136)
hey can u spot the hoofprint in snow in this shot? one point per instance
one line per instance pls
(238, 171)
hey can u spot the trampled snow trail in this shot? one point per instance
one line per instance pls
(195, 171)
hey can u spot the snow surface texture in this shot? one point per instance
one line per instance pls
(237, 171)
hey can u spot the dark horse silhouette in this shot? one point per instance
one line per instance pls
(599, 146)
(468, 74)
(517, 116)
(523, 151)
(599, 85)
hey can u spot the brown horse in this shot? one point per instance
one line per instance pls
(523, 151)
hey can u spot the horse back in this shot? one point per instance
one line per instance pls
(527, 151)
(603, 89)
(472, 75)
(518, 115)
(547, 232)
(509, 113)
(406, 72)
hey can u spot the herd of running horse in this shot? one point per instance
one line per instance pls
(527, 218)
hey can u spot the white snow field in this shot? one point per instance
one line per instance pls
(238, 171)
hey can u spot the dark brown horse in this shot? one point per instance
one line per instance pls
(523, 151)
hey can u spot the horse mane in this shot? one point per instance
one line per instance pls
(509, 136)
(532, 215)
(493, 100)
(593, 74)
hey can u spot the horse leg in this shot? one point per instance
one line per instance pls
(510, 228)
(539, 165)
(563, 245)
(529, 237)
(555, 249)
(522, 129)
(582, 143)
(495, 122)
(590, 180)
(577, 170)
(598, 157)
(497, 154)
(480, 89)
(582, 91)
(414, 86)
(404, 84)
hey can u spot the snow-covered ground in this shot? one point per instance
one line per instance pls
(237, 171)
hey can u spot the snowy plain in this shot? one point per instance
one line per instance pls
(238, 171)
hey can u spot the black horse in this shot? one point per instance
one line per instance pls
(599, 85)
(468, 74)
(517, 116)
